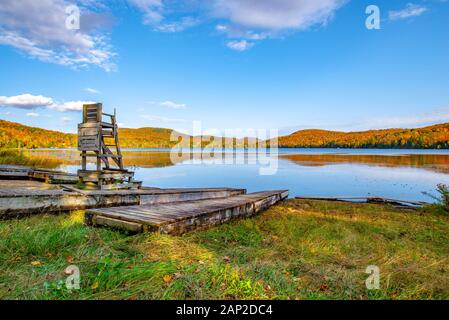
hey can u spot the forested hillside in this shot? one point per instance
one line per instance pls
(13, 135)
(436, 136)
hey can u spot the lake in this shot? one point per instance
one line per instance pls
(403, 174)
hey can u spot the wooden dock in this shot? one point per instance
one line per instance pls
(16, 199)
(53, 177)
(14, 172)
(181, 217)
(26, 191)
(28, 173)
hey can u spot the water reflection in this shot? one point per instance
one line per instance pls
(437, 162)
(433, 162)
(144, 159)
(328, 172)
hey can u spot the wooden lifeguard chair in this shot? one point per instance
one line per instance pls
(99, 139)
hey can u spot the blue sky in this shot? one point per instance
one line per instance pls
(283, 64)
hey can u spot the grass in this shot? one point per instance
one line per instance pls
(17, 157)
(295, 250)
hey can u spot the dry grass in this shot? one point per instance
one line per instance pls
(295, 250)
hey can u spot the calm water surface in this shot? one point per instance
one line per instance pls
(404, 174)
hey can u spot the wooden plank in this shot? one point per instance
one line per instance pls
(118, 224)
(178, 217)
(130, 217)
(107, 125)
(124, 185)
(89, 140)
(107, 134)
(13, 174)
(89, 131)
(103, 155)
(89, 125)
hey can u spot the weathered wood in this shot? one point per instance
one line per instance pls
(49, 176)
(89, 131)
(53, 177)
(89, 125)
(124, 185)
(102, 155)
(178, 218)
(14, 172)
(107, 125)
(19, 198)
(118, 224)
(91, 141)
(92, 112)
(105, 174)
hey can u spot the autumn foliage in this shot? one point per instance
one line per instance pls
(436, 137)
(16, 135)
(13, 135)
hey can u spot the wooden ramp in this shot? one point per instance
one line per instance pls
(178, 218)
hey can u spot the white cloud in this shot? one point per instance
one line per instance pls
(151, 9)
(244, 19)
(277, 14)
(376, 122)
(411, 10)
(38, 29)
(25, 101)
(239, 33)
(177, 26)
(91, 90)
(8, 114)
(163, 119)
(416, 120)
(69, 106)
(173, 105)
(154, 14)
(29, 101)
(221, 27)
(241, 45)
(32, 114)
(66, 119)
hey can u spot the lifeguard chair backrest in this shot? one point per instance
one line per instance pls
(92, 112)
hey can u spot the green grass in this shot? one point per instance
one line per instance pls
(17, 157)
(295, 250)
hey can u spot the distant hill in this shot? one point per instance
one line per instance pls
(14, 134)
(146, 138)
(436, 136)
